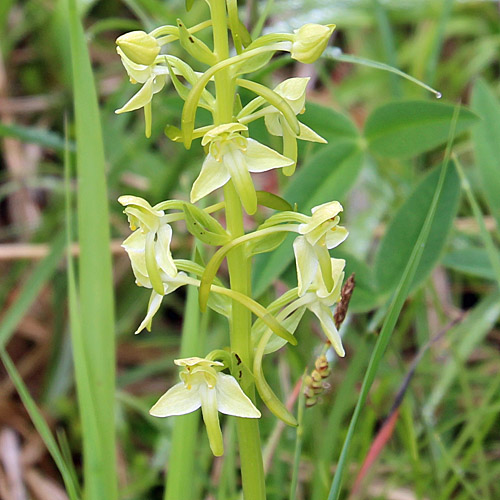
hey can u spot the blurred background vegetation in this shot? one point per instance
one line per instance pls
(440, 379)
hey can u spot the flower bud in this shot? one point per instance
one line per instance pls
(139, 47)
(310, 41)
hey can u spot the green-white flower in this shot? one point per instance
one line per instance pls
(233, 156)
(138, 52)
(293, 90)
(204, 385)
(319, 299)
(148, 248)
(319, 234)
(309, 42)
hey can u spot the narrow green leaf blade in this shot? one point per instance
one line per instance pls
(397, 245)
(95, 287)
(405, 129)
(41, 425)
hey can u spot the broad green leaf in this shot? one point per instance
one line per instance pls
(329, 123)
(338, 167)
(486, 137)
(473, 261)
(402, 233)
(405, 129)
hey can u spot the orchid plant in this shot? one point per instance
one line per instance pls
(225, 380)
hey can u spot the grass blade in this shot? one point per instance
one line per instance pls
(41, 426)
(336, 54)
(41, 275)
(394, 310)
(93, 330)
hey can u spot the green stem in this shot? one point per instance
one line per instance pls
(252, 467)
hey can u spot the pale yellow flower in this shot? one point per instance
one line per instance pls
(319, 234)
(138, 52)
(293, 90)
(204, 385)
(310, 41)
(233, 156)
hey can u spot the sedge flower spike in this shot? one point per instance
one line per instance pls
(138, 52)
(309, 42)
(319, 234)
(204, 385)
(233, 156)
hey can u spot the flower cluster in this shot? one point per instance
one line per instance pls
(232, 156)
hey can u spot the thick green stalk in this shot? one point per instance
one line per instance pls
(252, 469)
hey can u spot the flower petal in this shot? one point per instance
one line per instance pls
(152, 265)
(134, 245)
(235, 162)
(162, 250)
(154, 305)
(325, 316)
(306, 263)
(211, 418)
(308, 134)
(336, 236)
(273, 124)
(231, 400)
(178, 400)
(260, 158)
(213, 175)
(140, 99)
(294, 91)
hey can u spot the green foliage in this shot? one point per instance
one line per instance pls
(385, 135)
(408, 128)
(486, 136)
(399, 240)
(93, 322)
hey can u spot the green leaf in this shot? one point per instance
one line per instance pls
(203, 226)
(398, 242)
(41, 426)
(404, 129)
(328, 123)
(338, 167)
(273, 201)
(365, 296)
(396, 305)
(267, 243)
(94, 338)
(30, 290)
(472, 261)
(486, 137)
(45, 138)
